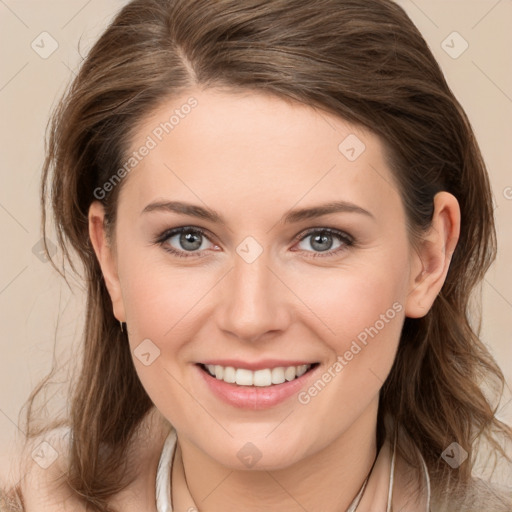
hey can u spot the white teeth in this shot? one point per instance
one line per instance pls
(290, 373)
(244, 377)
(278, 375)
(260, 378)
(229, 375)
(302, 369)
(219, 371)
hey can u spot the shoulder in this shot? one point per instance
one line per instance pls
(10, 499)
(477, 496)
(37, 479)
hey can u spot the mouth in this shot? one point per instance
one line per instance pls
(265, 377)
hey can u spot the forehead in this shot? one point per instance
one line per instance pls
(256, 150)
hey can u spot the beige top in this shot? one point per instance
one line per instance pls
(384, 491)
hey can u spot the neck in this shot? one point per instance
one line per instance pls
(326, 480)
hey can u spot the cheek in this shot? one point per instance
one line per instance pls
(160, 301)
(352, 300)
(165, 304)
(361, 314)
(162, 305)
(366, 320)
(361, 308)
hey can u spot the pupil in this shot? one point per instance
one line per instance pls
(188, 238)
(318, 239)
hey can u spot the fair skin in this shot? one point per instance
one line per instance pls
(252, 158)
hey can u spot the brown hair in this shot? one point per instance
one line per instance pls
(362, 60)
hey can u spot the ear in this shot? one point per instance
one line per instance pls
(431, 258)
(106, 257)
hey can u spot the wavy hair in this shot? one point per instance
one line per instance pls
(362, 60)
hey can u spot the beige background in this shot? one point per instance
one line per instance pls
(38, 311)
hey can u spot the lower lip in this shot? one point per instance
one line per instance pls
(254, 397)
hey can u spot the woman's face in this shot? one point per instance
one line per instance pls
(260, 277)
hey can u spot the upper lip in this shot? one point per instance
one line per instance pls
(257, 365)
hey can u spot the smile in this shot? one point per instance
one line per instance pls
(260, 378)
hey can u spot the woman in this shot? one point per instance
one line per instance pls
(282, 213)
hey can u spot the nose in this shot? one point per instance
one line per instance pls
(253, 302)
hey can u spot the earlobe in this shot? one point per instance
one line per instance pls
(106, 257)
(431, 259)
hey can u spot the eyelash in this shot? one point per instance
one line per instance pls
(347, 240)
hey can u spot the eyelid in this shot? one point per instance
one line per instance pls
(168, 233)
(347, 239)
(332, 231)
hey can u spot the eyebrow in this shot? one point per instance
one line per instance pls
(292, 216)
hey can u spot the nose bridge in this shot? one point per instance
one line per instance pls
(254, 299)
